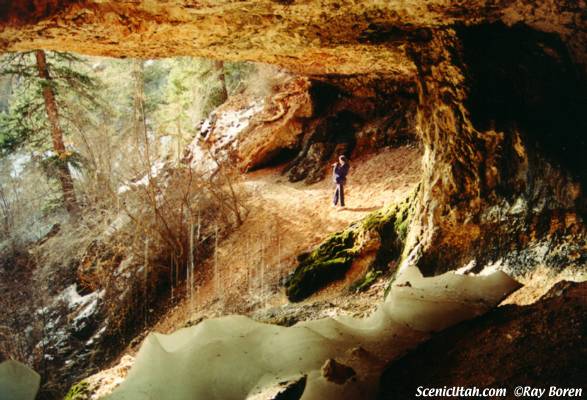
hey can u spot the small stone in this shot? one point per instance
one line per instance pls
(359, 352)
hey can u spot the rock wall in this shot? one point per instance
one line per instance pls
(502, 184)
(256, 130)
(354, 115)
(305, 124)
(315, 37)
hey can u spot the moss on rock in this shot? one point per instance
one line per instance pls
(330, 260)
(365, 281)
(326, 263)
(79, 391)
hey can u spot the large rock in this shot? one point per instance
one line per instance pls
(539, 345)
(353, 116)
(255, 130)
(504, 164)
(307, 123)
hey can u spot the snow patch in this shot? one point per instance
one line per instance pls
(120, 221)
(220, 133)
(73, 300)
(519, 206)
(97, 335)
(156, 168)
(89, 310)
(230, 124)
(123, 266)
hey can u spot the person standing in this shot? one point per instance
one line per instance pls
(340, 170)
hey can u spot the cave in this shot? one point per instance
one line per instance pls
(490, 99)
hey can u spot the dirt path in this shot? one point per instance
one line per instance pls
(286, 219)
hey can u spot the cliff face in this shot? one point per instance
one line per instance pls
(307, 123)
(500, 95)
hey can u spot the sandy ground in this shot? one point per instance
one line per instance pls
(284, 220)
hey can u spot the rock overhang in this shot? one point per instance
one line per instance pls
(307, 37)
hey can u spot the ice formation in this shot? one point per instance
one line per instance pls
(235, 357)
(17, 381)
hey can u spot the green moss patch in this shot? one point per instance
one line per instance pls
(326, 263)
(366, 281)
(333, 257)
(79, 391)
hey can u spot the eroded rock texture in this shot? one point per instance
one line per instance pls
(306, 124)
(353, 115)
(500, 99)
(311, 36)
(539, 345)
(500, 116)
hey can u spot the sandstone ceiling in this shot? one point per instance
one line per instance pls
(309, 36)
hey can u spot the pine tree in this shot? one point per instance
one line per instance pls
(39, 115)
(64, 174)
(219, 67)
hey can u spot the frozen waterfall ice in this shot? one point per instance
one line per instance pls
(235, 357)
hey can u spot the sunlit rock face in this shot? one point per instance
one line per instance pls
(500, 93)
(305, 124)
(255, 129)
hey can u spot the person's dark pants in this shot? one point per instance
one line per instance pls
(339, 193)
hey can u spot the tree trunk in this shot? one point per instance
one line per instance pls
(219, 67)
(69, 199)
(138, 107)
(143, 146)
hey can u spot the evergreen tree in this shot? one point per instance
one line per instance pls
(219, 67)
(51, 109)
(45, 86)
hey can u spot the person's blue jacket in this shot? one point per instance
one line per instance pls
(340, 172)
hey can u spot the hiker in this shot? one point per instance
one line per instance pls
(339, 173)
